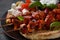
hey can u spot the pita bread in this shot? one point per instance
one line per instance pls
(45, 35)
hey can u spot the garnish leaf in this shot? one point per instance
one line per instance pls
(36, 4)
(41, 6)
(20, 18)
(55, 25)
(52, 6)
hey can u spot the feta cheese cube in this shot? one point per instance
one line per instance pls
(13, 5)
(16, 13)
(10, 11)
(24, 11)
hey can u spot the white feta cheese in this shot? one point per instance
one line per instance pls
(14, 12)
(10, 11)
(14, 9)
(49, 1)
(13, 5)
(24, 11)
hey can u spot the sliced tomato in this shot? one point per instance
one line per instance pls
(25, 5)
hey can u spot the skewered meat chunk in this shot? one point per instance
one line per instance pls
(24, 30)
(27, 19)
(56, 11)
(35, 15)
(58, 17)
(40, 24)
(8, 21)
(42, 14)
(38, 15)
(49, 19)
(31, 26)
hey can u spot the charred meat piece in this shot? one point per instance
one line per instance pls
(31, 26)
(42, 14)
(35, 15)
(24, 30)
(38, 15)
(58, 16)
(40, 24)
(27, 19)
(49, 19)
(56, 11)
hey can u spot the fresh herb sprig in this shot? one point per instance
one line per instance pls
(36, 4)
(42, 6)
